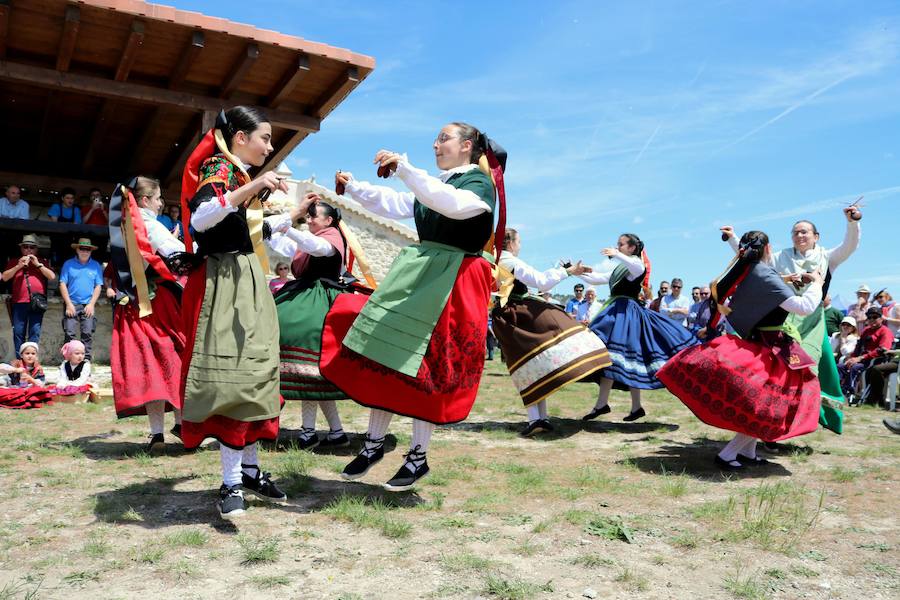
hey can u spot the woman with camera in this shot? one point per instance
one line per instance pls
(29, 277)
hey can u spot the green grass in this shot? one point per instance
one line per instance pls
(633, 580)
(78, 578)
(292, 468)
(747, 587)
(686, 540)
(674, 485)
(255, 551)
(610, 528)
(372, 513)
(96, 546)
(467, 562)
(513, 588)
(843, 475)
(192, 538)
(151, 554)
(450, 523)
(268, 582)
(592, 561)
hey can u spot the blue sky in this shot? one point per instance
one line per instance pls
(666, 119)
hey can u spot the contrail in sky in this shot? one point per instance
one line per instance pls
(647, 144)
(788, 111)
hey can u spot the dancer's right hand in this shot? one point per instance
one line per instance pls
(727, 232)
(577, 269)
(343, 177)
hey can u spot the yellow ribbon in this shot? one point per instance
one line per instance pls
(135, 261)
(254, 207)
(505, 280)
(357, 251)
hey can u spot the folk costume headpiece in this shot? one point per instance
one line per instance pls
(493, 164)
(71, 346)
(214, 142)
(130, 246)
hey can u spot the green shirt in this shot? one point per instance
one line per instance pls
(470, 234)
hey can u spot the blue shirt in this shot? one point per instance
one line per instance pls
(67, 215)
(19, 210)
(81, 279)
(166, 220)
(575, 306)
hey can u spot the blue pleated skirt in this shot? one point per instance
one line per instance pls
(639, 341)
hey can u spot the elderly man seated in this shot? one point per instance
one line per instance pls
(873, 342)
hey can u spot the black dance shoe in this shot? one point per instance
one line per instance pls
(157, 443)
(752, 462)
(539, 426)
(364, 461)
(231, 502)
(634, 416)
(414, 469)
(341, 441)
(596, 413)
(262, 486)
(728, 465)
(176, 430)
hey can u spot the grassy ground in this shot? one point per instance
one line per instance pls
(606, 510)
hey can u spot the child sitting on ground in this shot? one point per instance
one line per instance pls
(23, 381)
(74, 373)
(31, 371)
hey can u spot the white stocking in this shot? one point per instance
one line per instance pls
(308, 409)
(605, 389)
(231, 465)
(635, 398)
(249, 460)
(421, 435)
(177, 417)
(534, 412)
(329, 409)
(156, 412)
(736, 445)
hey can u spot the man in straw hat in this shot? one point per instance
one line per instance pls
(79, 285)
(858, 310)
(29, 275)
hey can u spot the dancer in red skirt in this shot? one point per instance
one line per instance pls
(759, 384)
(148, 332)
(416, 347)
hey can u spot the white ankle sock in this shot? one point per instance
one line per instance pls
(231, 465)
(534, 413)
(156, 413)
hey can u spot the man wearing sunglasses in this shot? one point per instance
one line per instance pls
(674, 305)
(873, 342)
(29, 275)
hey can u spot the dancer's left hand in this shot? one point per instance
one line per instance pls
(386, 158)
(609, 252)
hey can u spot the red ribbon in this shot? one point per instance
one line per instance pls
(190, 179)
(143, 242)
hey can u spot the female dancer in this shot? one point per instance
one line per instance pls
(230, 366)
(543, 347)
(416, 348)
(319, 261)
(148, 329)
(639, 340)
(794, 264)
(760, 384)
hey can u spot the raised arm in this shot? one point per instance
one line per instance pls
(441, 197)
(381, 200)
(851, 242)
(542, 280)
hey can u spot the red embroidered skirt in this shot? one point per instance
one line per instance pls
(742, 386)
(445, 387)
(146, 355)
(227, 431)
(30, 397)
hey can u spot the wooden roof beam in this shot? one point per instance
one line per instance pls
(69, 36)
(289, 81)
(336, 92)
(176, 80)
(239, 70)
(126, 60)
(125, 90)
(174, 165)
(129, 52)
(188, 56)
(4, 26)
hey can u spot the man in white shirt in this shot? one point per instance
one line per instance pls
(674, 305)
(12, 206)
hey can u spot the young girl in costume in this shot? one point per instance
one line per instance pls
(543, 347)
(24, 380)
(75, 371)
(806, 256)
(639, 340)
(759, 385)
(319, 259)
(148, 329)
(416, 347)
(230, 364)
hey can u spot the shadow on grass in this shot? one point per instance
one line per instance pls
(98, 447)
(157, 503)
(697, 460)
(563, 428)
(290, 438)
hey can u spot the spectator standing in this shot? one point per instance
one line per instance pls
(858, 310)
(833, 317)
(12, 206)
(700, 313)
(29, 277)
(874, 340)
(95, 213)
(663, 290)
(574, 304)
(592, 308)
(695, 294)
(674, 305)
(65, 210)
(80, 282)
